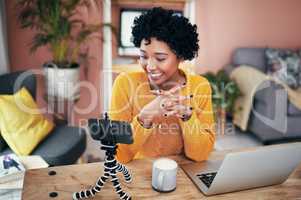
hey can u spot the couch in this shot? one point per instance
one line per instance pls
(265, 102)
(64, 145)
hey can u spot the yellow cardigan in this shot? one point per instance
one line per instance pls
(195, 137)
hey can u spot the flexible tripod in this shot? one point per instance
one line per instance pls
(111, 167)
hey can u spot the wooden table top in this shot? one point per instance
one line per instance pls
(72, 178)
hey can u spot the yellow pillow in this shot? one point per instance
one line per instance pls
(21, 123)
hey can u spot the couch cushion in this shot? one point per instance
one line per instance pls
(293, 132)
(22, 125)
(63, 146)
(27, 78)
(293, 110)
(250, 56)
(285, 65)
(284, 129)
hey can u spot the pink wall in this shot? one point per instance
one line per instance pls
(21, 59)
(227, 24)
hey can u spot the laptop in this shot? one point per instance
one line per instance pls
(264, 166)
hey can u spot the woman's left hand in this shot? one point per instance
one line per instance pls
(174, 104)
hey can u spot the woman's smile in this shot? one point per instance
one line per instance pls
(154, 76)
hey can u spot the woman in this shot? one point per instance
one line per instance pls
(170, 111)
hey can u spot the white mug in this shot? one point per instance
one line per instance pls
(164, 175)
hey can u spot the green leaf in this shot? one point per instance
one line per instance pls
(53, 23)
(224, 90)
(40, 40)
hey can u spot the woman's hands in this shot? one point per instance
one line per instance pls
(167, 103)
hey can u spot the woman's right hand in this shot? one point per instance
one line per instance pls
(156, 109)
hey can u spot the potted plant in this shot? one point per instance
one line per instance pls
(224, 93)
(57, 27)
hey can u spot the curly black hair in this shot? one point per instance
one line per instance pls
(165, 25)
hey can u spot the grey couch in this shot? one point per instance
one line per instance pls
(273, 119)
(64, 145)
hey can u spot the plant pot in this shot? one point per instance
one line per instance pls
(62, 82)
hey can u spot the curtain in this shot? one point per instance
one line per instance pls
(3, 40)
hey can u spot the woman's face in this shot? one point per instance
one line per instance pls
(158, 61)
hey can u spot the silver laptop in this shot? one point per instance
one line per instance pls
(263, 166)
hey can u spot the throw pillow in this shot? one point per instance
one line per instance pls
(22, 125)
(285, 65)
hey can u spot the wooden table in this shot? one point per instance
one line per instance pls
(68, 179)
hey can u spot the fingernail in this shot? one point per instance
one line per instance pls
(191, 95)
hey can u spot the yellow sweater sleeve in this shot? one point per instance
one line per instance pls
(198, 132)
(121, 109)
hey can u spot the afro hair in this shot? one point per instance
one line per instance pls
(167, 26)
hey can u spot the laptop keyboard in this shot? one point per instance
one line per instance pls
(207, 178)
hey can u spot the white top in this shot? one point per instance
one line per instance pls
(165, 164)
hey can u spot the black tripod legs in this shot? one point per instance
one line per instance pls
(123, 195)
(111, 167)
(127, 176)
(92, 191)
